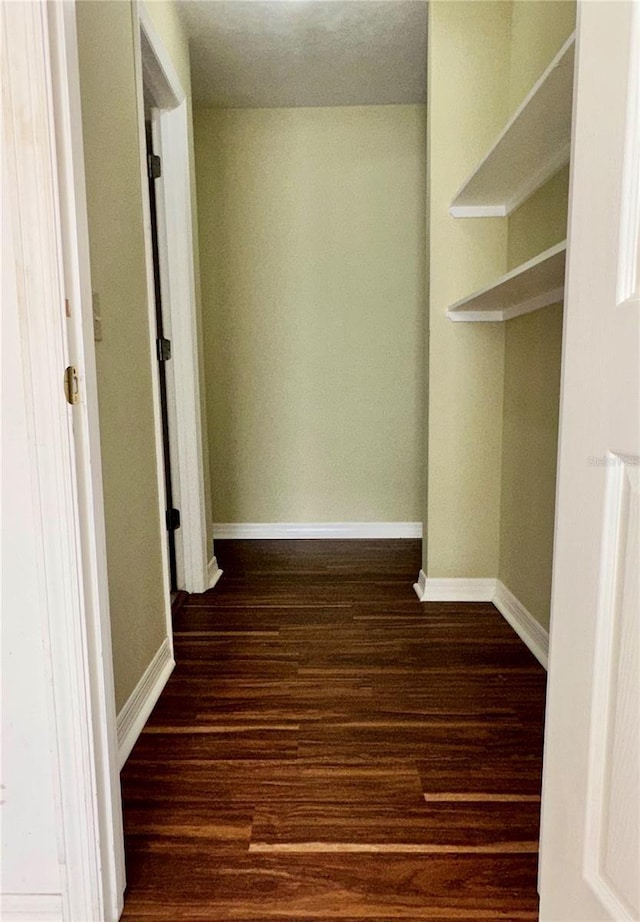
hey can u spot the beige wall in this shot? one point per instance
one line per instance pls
(312, 242)
(493, 388)
(135, 531)
(468, 79)
(530, 446)
(540, 222)
(118, 273)
(539, 29)
(533, 345)
(165, 18)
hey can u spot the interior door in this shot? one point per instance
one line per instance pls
(163, 346)
(62, 826)
(591, 801)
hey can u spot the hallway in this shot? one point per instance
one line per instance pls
(330, 748)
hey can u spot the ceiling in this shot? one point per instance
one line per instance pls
(268, 53)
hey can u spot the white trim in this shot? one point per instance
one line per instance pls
(478, 211)
(454, 589)
(421, 586)
(77, 272)
(179, 305)
(177, 275)
(628, 282)
(157, 67)
(142, 700)
(31, 907)
(605, 676)
(163, 188)
(213, 573)
(283, 530)
(523, 623)
(496, 316)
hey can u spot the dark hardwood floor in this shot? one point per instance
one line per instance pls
(328, 747)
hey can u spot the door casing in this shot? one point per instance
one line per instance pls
(197, 568)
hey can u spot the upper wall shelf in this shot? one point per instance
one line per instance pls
(531, 286)
(533, 145)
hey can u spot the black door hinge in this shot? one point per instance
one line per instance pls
(163, 348)
(173, 519)
(154, 166)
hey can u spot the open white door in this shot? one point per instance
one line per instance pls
(590, 861)
(62, 843)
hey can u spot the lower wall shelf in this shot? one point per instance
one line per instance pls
(531, 286)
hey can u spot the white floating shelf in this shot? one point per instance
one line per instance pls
(533, 145)
(531, 286)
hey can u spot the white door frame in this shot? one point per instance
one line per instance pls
(155, 72)
(45, 195)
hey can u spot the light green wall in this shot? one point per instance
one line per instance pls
(533, 345)
(530, 445)
(539, 29)
(312, 231)
(164, 15)
(468, 77)
(134, 528)
(493, 388)
(118, 275)
(540, 222)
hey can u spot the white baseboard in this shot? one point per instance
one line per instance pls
(436, 589)
(432, 589)
(523, 623)
(213, 573)
(142, 700)
(283, 530)
(421, 586)
(31, 907)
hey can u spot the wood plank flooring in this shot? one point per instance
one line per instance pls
(329, 748)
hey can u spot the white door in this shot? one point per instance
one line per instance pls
(62, 844)
(589, 857)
